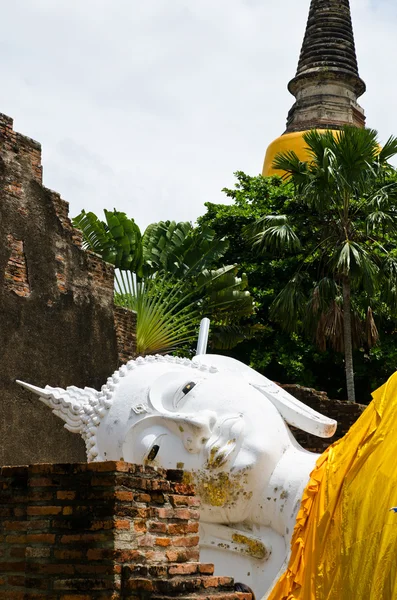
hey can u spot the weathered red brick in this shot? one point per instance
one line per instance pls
(120, 524)
(66, 495)
(124, 496)
(44, 510)
(41, 482)
(183, 569)
(186, 541)
(156, 527)
(206, 569)
(163, 541)
(140, 527)
(140, 584)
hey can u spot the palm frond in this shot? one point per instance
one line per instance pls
(323, 294)
(164, 245)
(290, 163)
(288, 307)
(388, 150)
(96, 235)
(277, 235)
(329, 330)
(161, 326)
(169, 309)
(117, 240)
(126, 237)
(354, 261)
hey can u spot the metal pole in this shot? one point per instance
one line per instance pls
(203, 336)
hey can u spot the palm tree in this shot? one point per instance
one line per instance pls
(346, 200)
(166, 276)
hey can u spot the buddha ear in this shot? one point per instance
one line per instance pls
(293, 411)
(296, 413)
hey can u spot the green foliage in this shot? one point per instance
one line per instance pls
(292, 357)
(345, 194)
(118, 240)
(172, 275)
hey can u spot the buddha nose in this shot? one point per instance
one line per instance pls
(196, 430)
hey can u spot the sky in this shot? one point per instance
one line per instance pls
(150, 106)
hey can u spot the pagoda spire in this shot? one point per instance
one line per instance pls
(327, 83)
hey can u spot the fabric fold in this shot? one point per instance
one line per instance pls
(345, 537)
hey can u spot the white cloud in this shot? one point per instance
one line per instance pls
(150, 106)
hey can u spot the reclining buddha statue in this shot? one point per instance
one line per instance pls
(289, 523)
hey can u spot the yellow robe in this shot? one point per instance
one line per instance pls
(344, 545)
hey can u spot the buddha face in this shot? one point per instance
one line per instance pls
(213, 425)
(214, 417)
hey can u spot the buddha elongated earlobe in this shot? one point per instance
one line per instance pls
(296, 413)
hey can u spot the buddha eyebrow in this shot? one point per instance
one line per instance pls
(189, 386)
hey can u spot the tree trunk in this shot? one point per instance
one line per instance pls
(347, 336)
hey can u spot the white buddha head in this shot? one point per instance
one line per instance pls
(217, 419)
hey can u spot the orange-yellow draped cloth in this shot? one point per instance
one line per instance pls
(344, 545)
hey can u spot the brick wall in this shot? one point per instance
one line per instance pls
(345, 413)
(125, 323)
(102, 531)
(57, 325)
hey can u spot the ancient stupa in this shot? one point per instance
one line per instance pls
(327, 84)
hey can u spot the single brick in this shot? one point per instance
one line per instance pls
(187, 541)
(125, 556)
(37, 552)
(162, 513)
(177, 500)
(192, 527)
(146, 540)
(143, 498)
(177, 556)
(186, 513)
(183, 569)
(140, 527)
(124, 496)
(41, 482)
(66, 495)
(206, 569)
(16, 539)
(184, 489)
(158, 571)
(163, 541)
(40, 538)
(120, 524)
(10, 567)
(118, 466)
(69, 554)
(140, 584)
(44, 510)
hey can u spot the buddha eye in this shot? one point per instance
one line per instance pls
(153, 452)
(189, 386)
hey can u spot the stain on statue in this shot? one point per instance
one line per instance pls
(226, 426)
